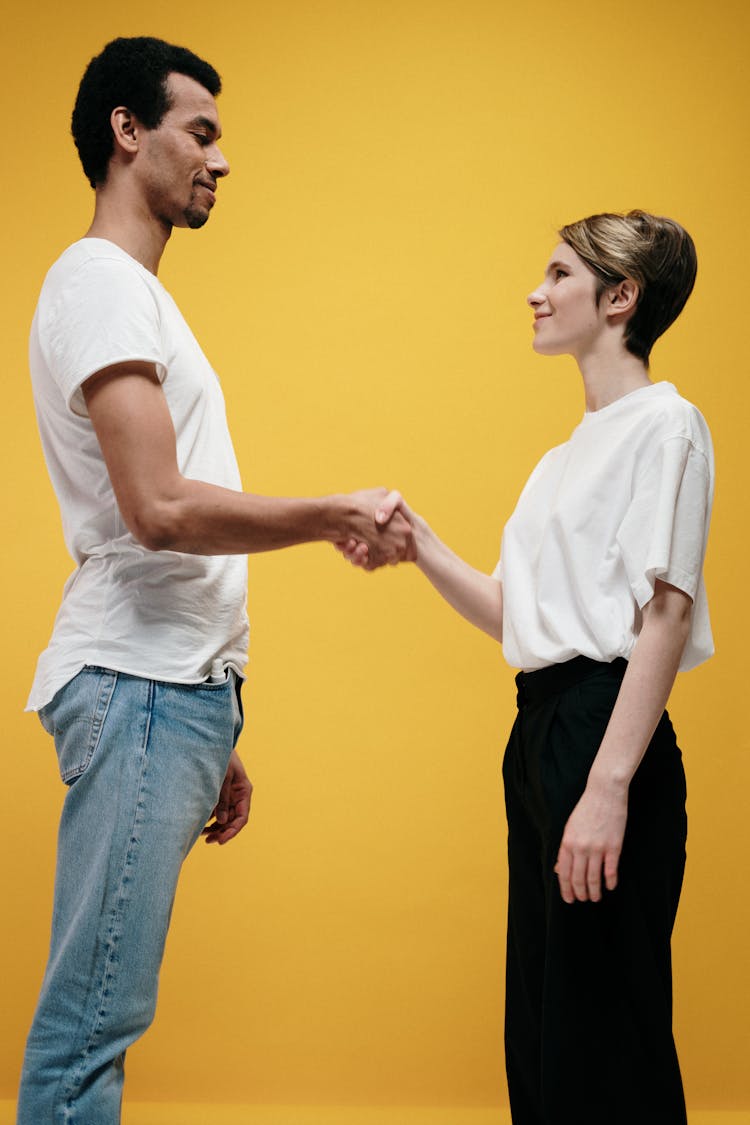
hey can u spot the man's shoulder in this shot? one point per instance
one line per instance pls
(99, 276)
(93, 255)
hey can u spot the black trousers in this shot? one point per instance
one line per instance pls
(588, 1029)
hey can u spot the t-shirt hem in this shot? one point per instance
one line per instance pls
(39, 699)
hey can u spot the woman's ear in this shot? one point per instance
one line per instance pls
(622, 298)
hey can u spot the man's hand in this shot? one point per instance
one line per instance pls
(390, 534)
(233, 807)
(592, 842)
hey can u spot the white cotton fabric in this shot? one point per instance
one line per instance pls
(157, 614)
(625, 501)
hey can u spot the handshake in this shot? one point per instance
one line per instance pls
(381, 530)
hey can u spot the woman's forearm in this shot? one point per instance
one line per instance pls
(646, 686)
(476, 596)
(593, 836)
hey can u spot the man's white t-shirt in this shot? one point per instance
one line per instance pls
(158, 614)
(625, 501)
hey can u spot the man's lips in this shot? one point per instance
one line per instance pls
(209, 187)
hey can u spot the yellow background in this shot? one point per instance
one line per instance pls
(398, 172)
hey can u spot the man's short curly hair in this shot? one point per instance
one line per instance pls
(133, 73)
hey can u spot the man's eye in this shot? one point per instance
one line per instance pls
(201, 138)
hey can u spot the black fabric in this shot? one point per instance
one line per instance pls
(589, 985)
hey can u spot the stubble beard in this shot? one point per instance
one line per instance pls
(195, 218)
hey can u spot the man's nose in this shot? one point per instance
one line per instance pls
(217, 163)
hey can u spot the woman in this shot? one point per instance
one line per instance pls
(598, 598)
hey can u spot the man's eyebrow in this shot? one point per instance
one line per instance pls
(206, 123)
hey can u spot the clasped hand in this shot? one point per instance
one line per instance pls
(382, 531)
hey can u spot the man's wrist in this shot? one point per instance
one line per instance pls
(335, 515)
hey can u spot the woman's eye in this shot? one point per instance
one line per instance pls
(560, 273)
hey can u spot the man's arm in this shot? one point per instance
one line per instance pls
(592, 840)
(166, 511)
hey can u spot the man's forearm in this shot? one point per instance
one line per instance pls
(205, 519)
(200, 518)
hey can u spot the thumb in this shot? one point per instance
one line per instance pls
(392, 502)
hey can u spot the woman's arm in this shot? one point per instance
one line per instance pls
(476, 596)
(592, 840)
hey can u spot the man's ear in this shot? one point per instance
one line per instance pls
(622, 299)
(125, 128)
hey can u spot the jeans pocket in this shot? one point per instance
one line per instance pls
(75, 718)
(239, 713)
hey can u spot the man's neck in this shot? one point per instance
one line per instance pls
(136, 232)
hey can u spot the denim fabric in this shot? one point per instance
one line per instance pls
(143, 761)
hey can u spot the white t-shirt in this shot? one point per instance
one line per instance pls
(625, 501)
(157, 614)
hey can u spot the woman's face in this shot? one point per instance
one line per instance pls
(567, 320)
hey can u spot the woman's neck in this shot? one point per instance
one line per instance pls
(608, 376)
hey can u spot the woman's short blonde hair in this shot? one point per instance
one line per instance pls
(655, 253)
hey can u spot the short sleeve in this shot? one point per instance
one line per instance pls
(663, 534)
(104, 313)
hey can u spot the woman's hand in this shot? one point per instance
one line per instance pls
(592, 842)
(593, 836)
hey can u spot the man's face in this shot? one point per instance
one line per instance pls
(181, 160)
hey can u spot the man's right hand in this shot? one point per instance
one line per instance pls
(378, 542)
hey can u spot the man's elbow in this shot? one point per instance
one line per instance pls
(155, 526)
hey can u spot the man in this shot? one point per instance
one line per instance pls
(140, 682)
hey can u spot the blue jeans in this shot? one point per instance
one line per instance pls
(143, 761)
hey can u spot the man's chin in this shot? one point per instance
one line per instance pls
(196, 218)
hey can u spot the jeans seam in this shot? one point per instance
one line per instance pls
(114, 931)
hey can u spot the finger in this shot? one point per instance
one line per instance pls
(594, 878)
(578, 876)
(563, 869)
(242, 804)
(239, 818)
(387, 507)
(221, 812)
(360, 555)
(222, 833)
(611, 861)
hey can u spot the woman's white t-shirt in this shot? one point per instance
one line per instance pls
(625, 501)
(158, 614)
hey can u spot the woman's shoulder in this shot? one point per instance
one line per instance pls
(673, 416)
